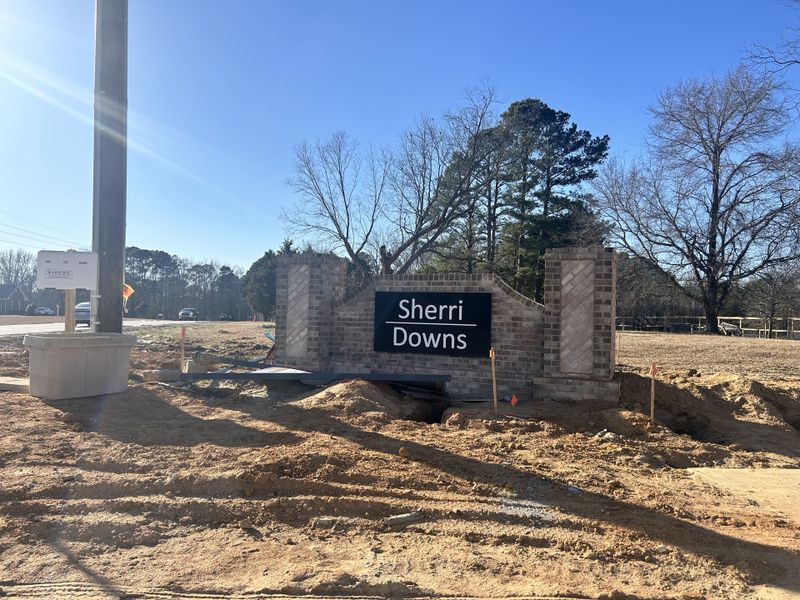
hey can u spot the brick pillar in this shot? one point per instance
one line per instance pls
(307, 287)
(579, 326)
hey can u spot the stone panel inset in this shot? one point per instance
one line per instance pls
(297, 311)
(577, 317)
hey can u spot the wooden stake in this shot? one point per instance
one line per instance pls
(183, 346)
(653, 371)
(69, 311)
(494, 380)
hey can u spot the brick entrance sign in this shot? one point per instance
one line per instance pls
(563, 350)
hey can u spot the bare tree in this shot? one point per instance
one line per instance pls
(436, 174)
(784, 56)
(772, 295)
(400, 204)
(339, 204)
(18, 267)
(718, 200)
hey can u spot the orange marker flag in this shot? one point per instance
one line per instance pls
(127, 291)
(653, 369)
(514, 399)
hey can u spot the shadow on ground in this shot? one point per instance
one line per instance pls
(140, 416)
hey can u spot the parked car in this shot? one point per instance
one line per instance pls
(83, 313)
(188, 314)
(226, 316)
(44, 311)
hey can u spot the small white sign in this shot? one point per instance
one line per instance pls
(66, 270)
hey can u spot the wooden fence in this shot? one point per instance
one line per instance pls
(782, 328)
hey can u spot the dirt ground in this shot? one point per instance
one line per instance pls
(249, 491)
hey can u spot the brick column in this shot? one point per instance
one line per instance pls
(307, 286)
(579, 326)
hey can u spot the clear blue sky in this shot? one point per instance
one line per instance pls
(220, 92)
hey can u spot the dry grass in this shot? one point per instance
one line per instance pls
(766, 360)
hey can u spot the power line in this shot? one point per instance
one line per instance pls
(20, 244)
(3, 212)
(43, 235)
(35, 239)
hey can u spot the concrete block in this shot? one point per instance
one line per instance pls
(75, 365)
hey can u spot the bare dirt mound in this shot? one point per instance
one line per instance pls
(734, 412)
(364, 404)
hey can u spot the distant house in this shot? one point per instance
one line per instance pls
(12, 299)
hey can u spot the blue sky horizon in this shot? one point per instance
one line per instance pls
(220, 93)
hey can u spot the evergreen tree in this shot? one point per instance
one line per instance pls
(549, 159)
(258, 284)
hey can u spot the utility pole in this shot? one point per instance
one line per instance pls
(110, 160)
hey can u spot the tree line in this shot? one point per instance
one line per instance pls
(708, 217)
(164, 283)
(468, 192)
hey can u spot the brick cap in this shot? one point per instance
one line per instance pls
(570, 251)
(309, 258)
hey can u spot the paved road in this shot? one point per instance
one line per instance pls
(52, 327)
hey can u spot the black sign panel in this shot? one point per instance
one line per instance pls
(433, 323)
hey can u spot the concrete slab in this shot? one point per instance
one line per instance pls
(279, 370)
(776, 489)
(15, 384)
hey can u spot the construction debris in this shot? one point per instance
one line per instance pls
(436, 381)
(210, 360)
(165, 375)
(405, 519)
(192, 366)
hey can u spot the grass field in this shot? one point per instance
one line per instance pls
(753, 357)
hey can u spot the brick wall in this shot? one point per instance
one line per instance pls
(541, 352)
(516, 336)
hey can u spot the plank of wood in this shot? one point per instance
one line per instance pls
(271, 375)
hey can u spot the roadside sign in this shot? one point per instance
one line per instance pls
(454, 324)
(66, 270)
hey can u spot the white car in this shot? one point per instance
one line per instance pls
(83, 313)
(188, 314)
(44, 311)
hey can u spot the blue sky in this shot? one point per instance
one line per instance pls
(220, 92)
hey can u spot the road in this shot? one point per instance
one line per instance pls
(10, 325)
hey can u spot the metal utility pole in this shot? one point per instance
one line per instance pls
(110, 159)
